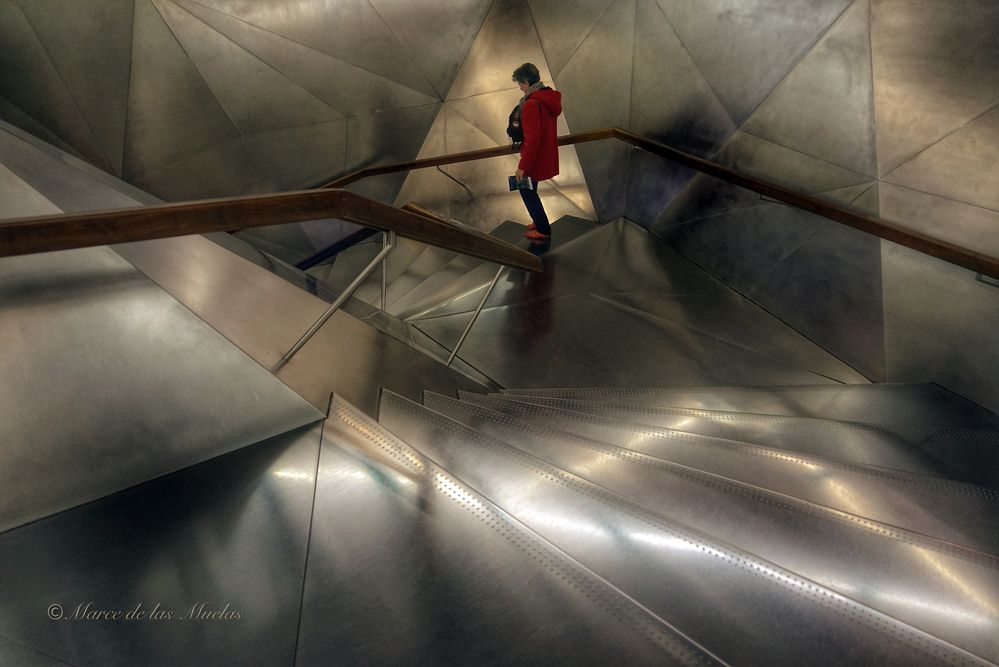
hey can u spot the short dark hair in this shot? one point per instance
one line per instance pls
(528, 73)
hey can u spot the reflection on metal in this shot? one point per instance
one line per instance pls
(387, 245)
(388, 242)
(475, 315)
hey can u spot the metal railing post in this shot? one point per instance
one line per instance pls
(388, 240)
(361, 277)
(475, 315)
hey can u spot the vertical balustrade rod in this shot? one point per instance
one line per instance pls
(475, 316)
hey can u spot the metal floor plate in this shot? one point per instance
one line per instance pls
(703, 586)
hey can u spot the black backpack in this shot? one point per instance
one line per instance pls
(513, 128)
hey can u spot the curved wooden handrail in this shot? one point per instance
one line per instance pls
(891, 231)
(29, 235)
(62, 232)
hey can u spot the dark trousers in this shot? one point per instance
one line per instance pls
(534, 206)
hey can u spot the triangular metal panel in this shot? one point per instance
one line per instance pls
(678, 108)
(429, 187)
(230, 534)
(596, 87)
(299, 157)
(744, 49)
(29, 80)
(18, 118)
(349, 30)
(349, 89)
(935, 69)
(963, 166)
(488, 112)
(19, 200)
(233, 171)
(255, 96)
(436, 35)
(825, 105)
(561, 35)
(386, 138)
(506, 40)
(84, 39)
(163, 129)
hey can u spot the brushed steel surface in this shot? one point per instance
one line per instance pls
(921, 406)
(436, 36)
(409, 565)
(271, 102)
(962, 514)
(824, 107)
(696, 582)
(30, 80)
(165, 379)
(166, 128)
(949, 592)
(18, 199)
(562, 33)
(934, 70)
(962, 166)
(263, 315)
(14, 653)
(231, 533)
(352, 89)
(953, 342)
(90, 46)
(348, 30)
(838, 440)
(744, 48)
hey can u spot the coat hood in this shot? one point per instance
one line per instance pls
(551, 99)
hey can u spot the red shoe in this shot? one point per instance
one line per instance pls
(531, 227)
(535, 235)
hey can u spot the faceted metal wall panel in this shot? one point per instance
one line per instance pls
(963, 166)
(20, 200)
(11, 114)
(940, 325)
(89, 319)
(429, 187)
(90, 44)
(652, 183)
(506, 40)
(232, 169)
(230, 534)
(163, 129)
(256, 97)
(596, 92)
(30, 80)
(943, 218)
(745, 48)
(349, 30)
(563, 26)
(350, 89)
(825, 105)
(298, 157)
(935, 69)
(436, 35)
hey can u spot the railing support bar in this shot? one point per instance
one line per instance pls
(464, 334)
(361, 277)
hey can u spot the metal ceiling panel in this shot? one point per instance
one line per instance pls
(829, 289)
(256, 97)
(230, 534)
(90, 44)
(349, 30)
(745, 48)
(163, 129)
(506, 40)
(934, 70)
(953, 221)
(436, 36)
(20, 200)
(596, 93)
(670, 100)
(562, 28)
(940, 324)
(963, 166)
(86, 317)
(351, 90)
(29, 79)
(825, 105)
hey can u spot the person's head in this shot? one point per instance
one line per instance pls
(526, 75)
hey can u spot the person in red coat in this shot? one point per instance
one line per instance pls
(539, 108)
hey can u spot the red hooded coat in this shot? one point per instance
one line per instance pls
(539, 152)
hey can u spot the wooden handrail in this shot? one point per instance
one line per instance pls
(29, 235)
(891, 231)
(61, 232)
